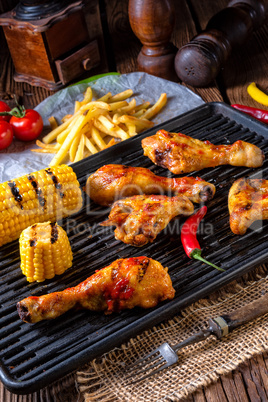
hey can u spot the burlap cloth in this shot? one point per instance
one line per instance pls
(200, 364)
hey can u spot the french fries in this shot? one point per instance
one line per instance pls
(97, 124)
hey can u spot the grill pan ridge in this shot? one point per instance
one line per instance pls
(34, 356)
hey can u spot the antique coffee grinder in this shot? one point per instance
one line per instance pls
(49, 42)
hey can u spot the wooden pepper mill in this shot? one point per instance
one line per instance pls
(152, 21)
(198, 62)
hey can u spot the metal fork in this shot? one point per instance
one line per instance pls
(166, 355)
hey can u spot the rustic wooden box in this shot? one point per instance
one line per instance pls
(53, 51)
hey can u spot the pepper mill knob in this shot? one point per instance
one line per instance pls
(199, 62)
(152, 21)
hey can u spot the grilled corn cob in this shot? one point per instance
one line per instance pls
(47, 195)
(45, 251)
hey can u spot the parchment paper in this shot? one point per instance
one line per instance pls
(18, 159)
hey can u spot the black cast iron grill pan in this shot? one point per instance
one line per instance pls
(33, 356)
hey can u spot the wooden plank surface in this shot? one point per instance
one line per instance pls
(249, 382)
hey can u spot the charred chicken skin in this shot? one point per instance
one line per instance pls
(139, 219)
(182, 154)
(247, 202)
(113, 182)
(124, 284)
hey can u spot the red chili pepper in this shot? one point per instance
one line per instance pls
(188, 237)
(259, 114)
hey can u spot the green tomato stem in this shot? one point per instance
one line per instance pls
(18, 111)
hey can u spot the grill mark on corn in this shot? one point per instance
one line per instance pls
(55, 180)
(16, 193)
(33, 239)
(32, 242)
(54, 233)
(40, 197)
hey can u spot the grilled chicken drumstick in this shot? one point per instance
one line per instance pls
(247, 202)
(125, 284)
(140, 218)
(113, 182)
(182, 154)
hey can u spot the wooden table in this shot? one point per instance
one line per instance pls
(249, 382)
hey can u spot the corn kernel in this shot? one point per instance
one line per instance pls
(26, 206)
(45, 251)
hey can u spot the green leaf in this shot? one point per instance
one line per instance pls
(94, 78)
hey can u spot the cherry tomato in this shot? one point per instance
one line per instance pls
(4, 108)
(28, 127)
(6, 134)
